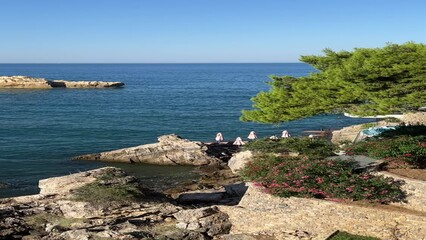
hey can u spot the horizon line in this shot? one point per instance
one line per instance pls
(160, 63)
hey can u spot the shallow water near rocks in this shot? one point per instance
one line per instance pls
(40, 130)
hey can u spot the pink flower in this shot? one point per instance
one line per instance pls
(272, 185)
(319, 180)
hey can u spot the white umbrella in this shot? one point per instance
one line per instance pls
(252, 135)
(285, 134)
(239, 142)
(219, 137)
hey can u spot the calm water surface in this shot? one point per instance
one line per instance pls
(40, 130)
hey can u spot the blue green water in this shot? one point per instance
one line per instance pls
(40, 130)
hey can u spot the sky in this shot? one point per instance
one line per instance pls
(200, 31)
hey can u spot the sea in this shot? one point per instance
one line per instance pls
(41, 130)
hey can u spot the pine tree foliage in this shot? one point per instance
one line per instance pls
(366, 81)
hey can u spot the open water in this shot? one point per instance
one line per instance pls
(40, 130)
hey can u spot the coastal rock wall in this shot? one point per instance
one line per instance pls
(41, 83)
(259, 212)
(170, 150)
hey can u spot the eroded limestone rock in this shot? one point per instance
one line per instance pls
(239, 160)
(170, 150)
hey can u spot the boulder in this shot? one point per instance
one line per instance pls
(41, 83)
(207, 220)
(170, 150)
(239, 160)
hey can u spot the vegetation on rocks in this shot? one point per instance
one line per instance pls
(44, 218)
(348, 236)
(400, 148)
(111, 188)
(313, 148)
(318, 178)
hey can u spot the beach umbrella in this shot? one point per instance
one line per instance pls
(219, 137)
(285, 134)
(239, 142)
(252, 135)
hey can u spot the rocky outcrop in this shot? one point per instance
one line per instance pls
(415, 118)
(351, 132)
(56, 213)
(300, 218)
(239, 160)
(41, 83)
(170, 150)
(208, 221)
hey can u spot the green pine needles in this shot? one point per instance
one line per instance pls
(366, 81)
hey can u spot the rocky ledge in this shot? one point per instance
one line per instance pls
(104, 204)
(170, 150)
(41, 83)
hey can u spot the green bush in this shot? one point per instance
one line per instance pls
(330, 179)
(112, 187)
(99, 194)
(405, 148)
(348, 236)
(314, 148)
(413, 131)
(38, 220)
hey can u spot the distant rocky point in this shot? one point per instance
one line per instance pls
(41, 83)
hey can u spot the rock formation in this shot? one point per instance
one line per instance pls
(41, 83)
(56, 213)
(239, 160)
(170, 150)
(259, 213)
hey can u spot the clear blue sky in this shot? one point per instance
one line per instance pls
(169, 31)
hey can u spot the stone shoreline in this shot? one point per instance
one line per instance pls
(23, 82)
(218, 205)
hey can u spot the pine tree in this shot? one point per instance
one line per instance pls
(366, 81)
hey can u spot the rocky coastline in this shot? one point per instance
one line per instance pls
(24, 82)
(106, 203)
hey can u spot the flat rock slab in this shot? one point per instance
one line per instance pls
(363, 162)
(24, 82)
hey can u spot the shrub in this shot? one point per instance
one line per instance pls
(314, 148)
(347, 236)
(413, 131)
(105, 195)
(38, 220)
(330, 179)
(401, 148)
(112, 187)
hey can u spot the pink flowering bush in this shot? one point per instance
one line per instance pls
(326, 179)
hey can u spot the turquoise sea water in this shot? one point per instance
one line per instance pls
(40, 130)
